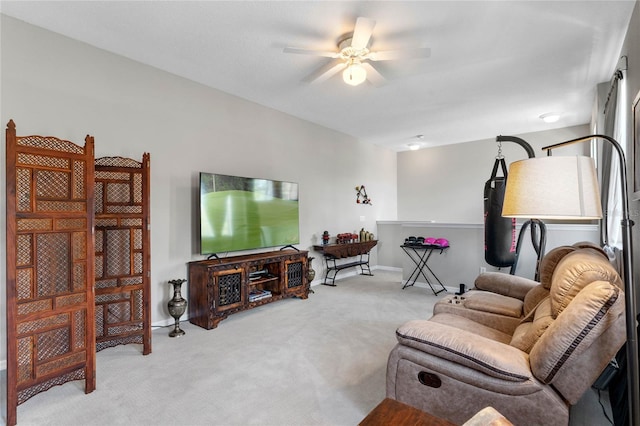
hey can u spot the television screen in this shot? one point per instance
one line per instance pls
(240, 213)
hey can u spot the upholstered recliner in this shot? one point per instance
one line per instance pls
(500, 300)
(452, 366)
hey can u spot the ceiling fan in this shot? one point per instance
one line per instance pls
(353, 56)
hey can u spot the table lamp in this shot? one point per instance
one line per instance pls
(567, 188)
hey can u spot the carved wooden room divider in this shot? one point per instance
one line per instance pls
(122, 252)
(50, 265)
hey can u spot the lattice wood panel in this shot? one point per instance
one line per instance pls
(50, 339)
(122, 252)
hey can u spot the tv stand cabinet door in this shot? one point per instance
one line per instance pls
(295, 277)
(228, 294)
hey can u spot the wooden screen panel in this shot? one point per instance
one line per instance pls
(50, 301)
(122, 252)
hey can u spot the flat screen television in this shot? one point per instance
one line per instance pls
(241, 213)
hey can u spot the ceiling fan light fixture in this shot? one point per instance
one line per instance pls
(354, 74)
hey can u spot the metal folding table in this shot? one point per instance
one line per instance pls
(420, 254)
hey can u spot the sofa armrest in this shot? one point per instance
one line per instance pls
(505, 284)
(488, 356)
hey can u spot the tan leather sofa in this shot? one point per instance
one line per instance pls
(500, 300)
(452, 366)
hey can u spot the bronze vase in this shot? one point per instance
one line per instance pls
(177, 305)
(311, 273)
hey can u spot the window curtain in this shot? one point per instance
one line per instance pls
(614, 125)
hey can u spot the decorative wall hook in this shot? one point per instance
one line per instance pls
(362, 193)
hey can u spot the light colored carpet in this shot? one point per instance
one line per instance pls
(319, 361)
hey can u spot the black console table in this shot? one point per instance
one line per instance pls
(420, 254)
(333, 252)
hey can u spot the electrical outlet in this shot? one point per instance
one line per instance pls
(483, 269)
(362, 218)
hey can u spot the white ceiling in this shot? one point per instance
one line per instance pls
(495, 66)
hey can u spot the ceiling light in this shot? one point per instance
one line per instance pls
(354, 74)
(414, 146)
(550, 117)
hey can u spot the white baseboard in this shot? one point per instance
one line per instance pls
(435, 286)
(353, 272)
(320, 279)
(417, 283)
(387, 268)
(170, 321)
(167, 322)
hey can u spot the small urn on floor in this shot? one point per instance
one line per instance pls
(311, 273)
(177, 305)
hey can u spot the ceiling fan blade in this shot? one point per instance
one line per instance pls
(326, 72)
(362, 33)
(388, 55)
(302, 51)
(373, 75)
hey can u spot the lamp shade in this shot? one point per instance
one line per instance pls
(553, 188)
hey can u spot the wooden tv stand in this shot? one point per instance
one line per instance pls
(221, 287)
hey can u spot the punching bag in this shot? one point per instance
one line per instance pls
(499, 232)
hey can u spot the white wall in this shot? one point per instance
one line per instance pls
(56, 86)
(52, 85)
(446, 183)
(461, 262)
(440, 194)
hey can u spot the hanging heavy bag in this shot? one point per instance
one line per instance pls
(499, 232)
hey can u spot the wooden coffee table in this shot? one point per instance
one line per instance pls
(392, 412)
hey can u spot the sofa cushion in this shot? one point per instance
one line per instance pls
(574, 272)
(454, 304)
(535, 296)
(466, 348)
(494, 303)
(468, 324)
(575, 328)
(593, 246)
(550, 261)
(528, 333)
(504, 284)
